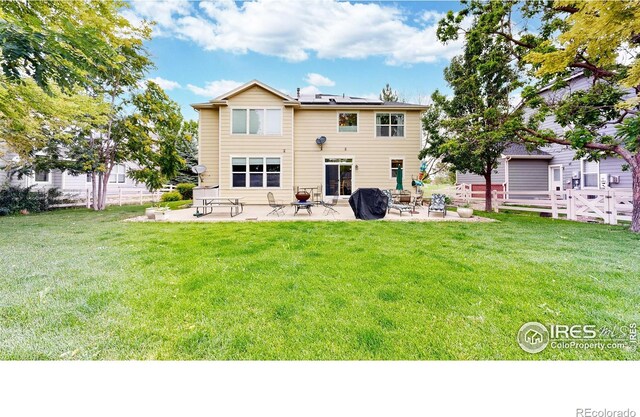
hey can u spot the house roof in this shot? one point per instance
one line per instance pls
(249, 85)
(311, 101)
(334, 100)
(520, 151)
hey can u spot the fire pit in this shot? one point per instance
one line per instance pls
(303, 196)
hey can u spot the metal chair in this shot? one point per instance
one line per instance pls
(277, 208)
(438, 204)
(400, 207)
(329, 207)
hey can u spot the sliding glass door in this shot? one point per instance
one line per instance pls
(338, 178)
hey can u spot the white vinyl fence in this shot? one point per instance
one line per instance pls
(122, 196)
(610, 205)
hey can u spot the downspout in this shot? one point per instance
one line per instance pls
(506, 176)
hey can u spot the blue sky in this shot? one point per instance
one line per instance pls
(202, 49)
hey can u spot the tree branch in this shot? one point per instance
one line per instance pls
(567, 9)
(514, 40)
(624, 153)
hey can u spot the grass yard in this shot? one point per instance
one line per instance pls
(81, 285)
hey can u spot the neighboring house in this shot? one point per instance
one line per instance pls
(553, 166)
(255, 139)
(65, 181)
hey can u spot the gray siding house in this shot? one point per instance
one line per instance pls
(553, 167)
(65, 181)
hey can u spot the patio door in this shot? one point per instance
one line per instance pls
(338, 178)
(555, 178)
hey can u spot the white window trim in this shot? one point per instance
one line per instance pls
(115, 173)
(264, 179)
(231, 109)
(324, 173)
(48, 181)
(402, 158)
(357, 113)
(582, 174)
(375, 125)
(551, 168)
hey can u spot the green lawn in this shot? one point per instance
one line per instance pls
(81, 285)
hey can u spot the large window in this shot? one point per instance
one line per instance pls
(395, 164)
(256, 121)
(255, 172)
(590, 174)
(118, 174)
(348, 122)
(389, 125)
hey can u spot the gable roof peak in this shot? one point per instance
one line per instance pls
(250, 84)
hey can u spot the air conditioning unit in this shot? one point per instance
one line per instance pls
(614, 179)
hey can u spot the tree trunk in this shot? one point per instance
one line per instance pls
(635, 217)
(488, 206)
(94, 191)
(103, 188)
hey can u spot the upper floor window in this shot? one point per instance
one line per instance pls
(256, 121)
(348, 122)
(389, 125)
(118, 174)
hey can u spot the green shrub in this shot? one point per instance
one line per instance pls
(171, 196)
(14, 199)
(186, 190)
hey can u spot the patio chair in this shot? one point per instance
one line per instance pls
(277, 207)
(402, 208)
(330, 207)
(438, 204)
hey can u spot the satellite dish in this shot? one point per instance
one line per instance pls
(198, 169)
(320, 141)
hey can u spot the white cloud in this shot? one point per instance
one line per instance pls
(328, 29)
(213, 89)
(165, 84)
(319, 80)
(310, 90)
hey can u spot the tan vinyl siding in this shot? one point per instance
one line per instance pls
(256, 146)
(300, 128)
(209, 144)
(372, 155)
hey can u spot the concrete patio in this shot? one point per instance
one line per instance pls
(344, 213)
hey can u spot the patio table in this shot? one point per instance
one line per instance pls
(302, 205)
(209, 203)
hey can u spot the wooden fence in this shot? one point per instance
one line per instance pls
(610, 205)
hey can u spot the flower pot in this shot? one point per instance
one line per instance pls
(150, 213)
(465, 212)
(303, 196)
(160, 214)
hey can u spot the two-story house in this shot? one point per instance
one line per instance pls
(553, 167)
(255, 139)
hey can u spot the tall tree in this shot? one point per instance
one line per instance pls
(388, 94)
(189, 152)
(600, 38)
(468, 129)
(61, 46)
